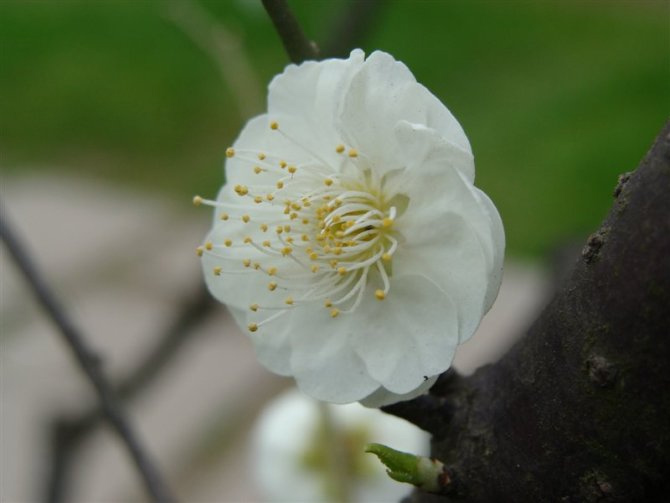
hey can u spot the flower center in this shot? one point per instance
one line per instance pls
(319, 234)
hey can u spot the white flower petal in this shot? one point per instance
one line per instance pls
(436, 193)
(382, 93)
(421, 147)
(437, 181)
(445, 249)
(323, 362)
(496, 249)
(258, 138)
(382, 396)
(410, 335)
(304, 100)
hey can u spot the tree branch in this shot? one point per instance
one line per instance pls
(578, 410)
(298, 47)
(68, 434)
(88, 362)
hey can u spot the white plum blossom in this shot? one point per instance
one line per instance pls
(301, 450)
(349, 239)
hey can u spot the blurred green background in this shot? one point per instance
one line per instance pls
(557, 97)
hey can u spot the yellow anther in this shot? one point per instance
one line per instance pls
(254, 307)
(274, 125)
(258, 199)
(264, 227)
(269, 197)
(209, 245)
(315, 268)
(246, 218)
(272, 285)
(313, 256)
(333, 263)
(338, 250)
(197, 200)
(294, 215)
(339, 149)
(353, 152)
(225, 216)
(386, 257)
(328, 182)
(341, 271)
(241, 190)
(272, 271)
(387, 222)
(289, 239)
(287, 228)
(279, 229)
(199, 251)
(230, 152)
(248, 240)
(296, 206)
(266, 243)
(292, 169)
(305, 221)
(380, 294)
(258, 170)
(280, 185)
(217, 270)
(283, 164)
(286, 250)
(326, 249)
(287, 210)
(334, 312)
(304, 237)
(350, 223)
(228, 242)
(306, 203)
(246, 262)
(261, 156)
(337, 219)
(289, 301)
(252, 327)
(257, 266)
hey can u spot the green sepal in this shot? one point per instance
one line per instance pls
(409, 468)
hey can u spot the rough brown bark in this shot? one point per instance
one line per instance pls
(579, 409)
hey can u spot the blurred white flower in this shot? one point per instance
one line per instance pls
(304, 451)
(349, 238)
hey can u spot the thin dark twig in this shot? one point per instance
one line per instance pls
(297, 45)
(88, 362)
(69, 433)
(352, 27)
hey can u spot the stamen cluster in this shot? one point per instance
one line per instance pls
(337, 228)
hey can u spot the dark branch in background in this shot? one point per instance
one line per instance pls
(89, 364)
(69, 433)
(353, 26)
(298, 47)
